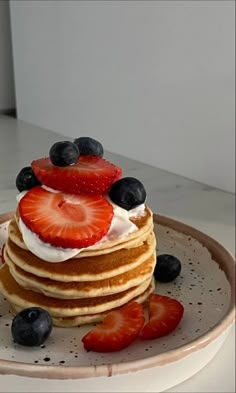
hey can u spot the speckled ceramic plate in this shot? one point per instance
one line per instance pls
(206, 289)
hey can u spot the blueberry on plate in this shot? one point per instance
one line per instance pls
(127, 193)
(26, 179)
(64, 153)
(167, 268)
(31, 326)
(89, 146)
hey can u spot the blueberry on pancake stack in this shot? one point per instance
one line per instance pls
(81, 242)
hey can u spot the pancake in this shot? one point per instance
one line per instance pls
(76, 290)
(144, 227)
(17, 295)
(82, 269)
(82, 289)
(16, 237)
(15, 234)
(91, 318)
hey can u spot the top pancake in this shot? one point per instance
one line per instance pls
(144, 226)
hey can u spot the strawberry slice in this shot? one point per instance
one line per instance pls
(2, 254)
(164, 315)
(64, 220)
(90, 175)
(118, 329)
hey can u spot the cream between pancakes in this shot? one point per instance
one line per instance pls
(121, 226)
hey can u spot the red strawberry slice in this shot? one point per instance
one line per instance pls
(118, 329)
(164, 315)
(2, 254)
(64, 220)
(90, 175)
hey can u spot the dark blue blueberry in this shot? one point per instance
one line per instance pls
(31, 326)
(128, 193)
(167, 268)
(64, 153)
(89, 146)
(26, 179)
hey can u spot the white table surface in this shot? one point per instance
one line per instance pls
(206, 208)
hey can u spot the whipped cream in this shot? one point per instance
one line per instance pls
(22, 193)
(120, 227)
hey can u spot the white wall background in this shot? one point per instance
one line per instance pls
(7, 94)
(152, 80)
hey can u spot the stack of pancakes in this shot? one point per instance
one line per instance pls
(84, 288)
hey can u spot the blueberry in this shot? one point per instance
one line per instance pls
(26, 179)
(89, 146)
(167, 268)
(128, 193)
(31, 326)
(64, 153)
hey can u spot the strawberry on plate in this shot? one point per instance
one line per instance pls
(118, 329)
(64, 220)
(165, 314)
(90, 175)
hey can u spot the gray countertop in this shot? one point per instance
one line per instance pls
(206, 208)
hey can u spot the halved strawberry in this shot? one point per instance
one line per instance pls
(2, 254)
(90, 175)
(64, 220)
(165, 314)
(118, 329)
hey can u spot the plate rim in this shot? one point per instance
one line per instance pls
(78, 372)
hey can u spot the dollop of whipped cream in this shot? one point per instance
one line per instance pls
(120, 227)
